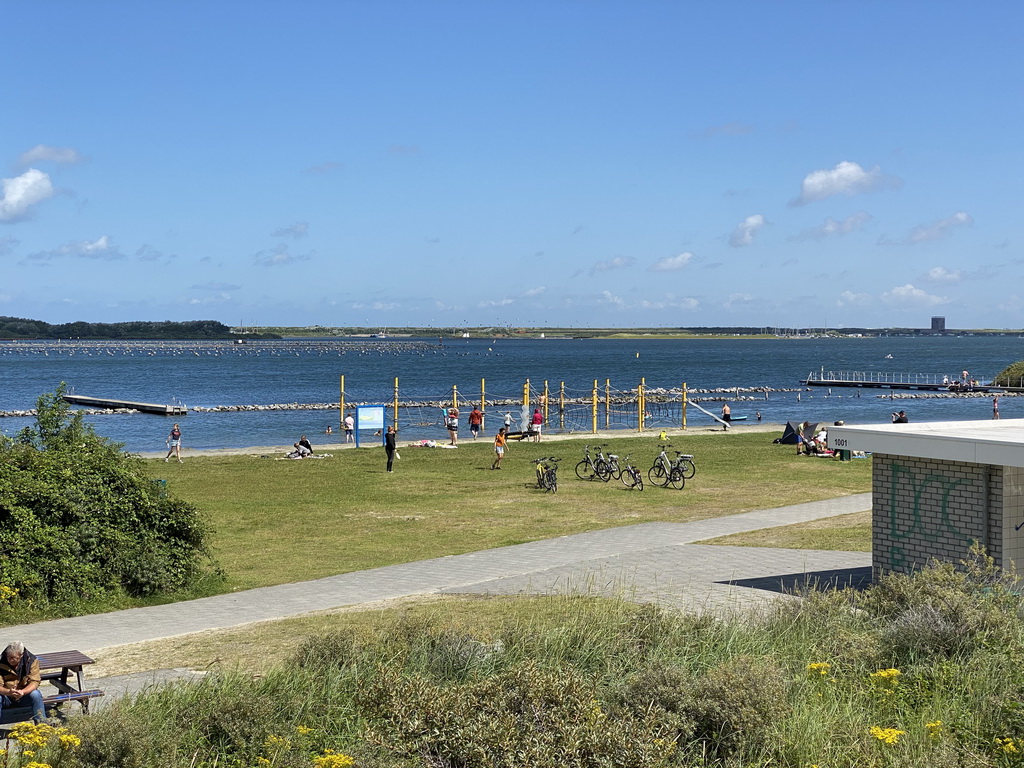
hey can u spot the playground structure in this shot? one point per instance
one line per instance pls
(563, 410)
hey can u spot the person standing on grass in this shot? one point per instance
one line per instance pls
(174, 444)
(391, 446)
(499, 448)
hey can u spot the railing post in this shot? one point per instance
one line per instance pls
(561, 406)
(684, 404)
(641, 404)
(396, 405)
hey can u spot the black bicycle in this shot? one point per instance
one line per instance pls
(590, 469)
(631, 477)
(547, 473)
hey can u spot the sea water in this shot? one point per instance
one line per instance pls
(430, 371)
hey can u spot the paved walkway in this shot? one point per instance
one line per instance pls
(651, 561)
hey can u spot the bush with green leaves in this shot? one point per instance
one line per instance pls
(1011, 376)
(79, 519)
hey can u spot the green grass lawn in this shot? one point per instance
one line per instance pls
(284, 521)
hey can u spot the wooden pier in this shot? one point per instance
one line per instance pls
(106, 402)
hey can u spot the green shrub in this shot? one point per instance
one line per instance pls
(1011, 376)
(525, 716)
(79, 519)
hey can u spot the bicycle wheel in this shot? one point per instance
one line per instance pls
(639, 481)
(552, 482)
(616, 469)
(657, 475)
(585, 470)
(603, 470)
(677, 479)
(628, 477)
(688, 468)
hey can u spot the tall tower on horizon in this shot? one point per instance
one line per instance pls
(938, 325)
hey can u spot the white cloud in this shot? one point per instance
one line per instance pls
(536, 291)
(832, 227)
(41, 153)
(851, 299)
(220, 298)
(297, 230)
(607, 297)
(736, 299)
(845, 179)
(670, 303)
(101, 248)
(212, 286)
(939, 229)
(617, 262)
(943, 275)
(672, 263)
(496, 303)
(907, 296)
(23, 192)
(744, 233)
(277, 256)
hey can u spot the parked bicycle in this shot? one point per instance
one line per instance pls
(686, 464)
(665, 471)
(631, 477)
(590, 469)
(547, 473)
(611, 463)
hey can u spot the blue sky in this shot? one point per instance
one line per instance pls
(810, 164)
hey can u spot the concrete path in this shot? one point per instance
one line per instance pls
(651, 561)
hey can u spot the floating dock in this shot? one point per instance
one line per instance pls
(106, 402)
(924, 382)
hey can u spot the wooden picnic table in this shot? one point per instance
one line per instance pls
(64, 671)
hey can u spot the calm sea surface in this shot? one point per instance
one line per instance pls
(308, 371)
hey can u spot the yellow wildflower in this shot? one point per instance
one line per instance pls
(303, 730)
(70, 741)
(886, 735)
(821, 667)
(886, 675)
(332, 759)
(277, 742)
(1006, 745)
(934, 729)
(36, 765)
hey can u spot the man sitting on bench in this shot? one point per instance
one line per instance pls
(20, 675)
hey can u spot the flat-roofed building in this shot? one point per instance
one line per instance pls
(937, 488)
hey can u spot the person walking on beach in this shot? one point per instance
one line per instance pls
(391, 446)
(174, 444)
(350, 429)
(476, 420)
(508, 421)
(451, 421)
(995, 407)
(499, 448)
(726, 414)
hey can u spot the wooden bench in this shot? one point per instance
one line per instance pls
(57, 670)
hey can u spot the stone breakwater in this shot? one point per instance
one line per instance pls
(653, 395)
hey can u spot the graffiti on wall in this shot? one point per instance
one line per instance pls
(933, 522)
